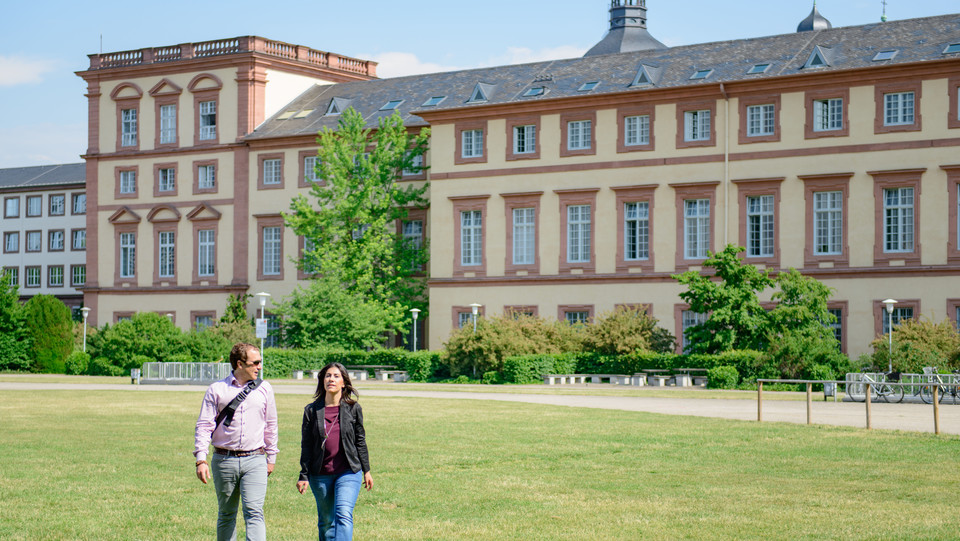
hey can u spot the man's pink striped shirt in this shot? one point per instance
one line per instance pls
(254, 424)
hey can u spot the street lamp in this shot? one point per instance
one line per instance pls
(415, 312)
(475, 308)
(86, 312)
(263, 304)
(889, 304)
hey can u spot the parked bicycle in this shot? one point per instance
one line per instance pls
(949, 386)
(880, 387)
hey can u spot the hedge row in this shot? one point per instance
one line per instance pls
(281, 363)
(532, 368)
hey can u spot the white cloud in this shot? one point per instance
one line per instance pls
(399, 64)
(18, 70)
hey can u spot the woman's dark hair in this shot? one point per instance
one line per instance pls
(349, 395)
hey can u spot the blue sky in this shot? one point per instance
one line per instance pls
(43, 110)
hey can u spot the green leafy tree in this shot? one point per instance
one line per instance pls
(351, 224)
(736, 318)
(327, 314)
(236, 308)
(145, 336)
(919, 343)
(51, 333)
(14, 338)
(802, 308)
(625, 330)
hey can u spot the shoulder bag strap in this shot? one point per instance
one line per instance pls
(226, 414)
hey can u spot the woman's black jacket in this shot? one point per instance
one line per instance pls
(353, 443)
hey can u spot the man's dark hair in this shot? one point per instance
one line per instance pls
(239, 353)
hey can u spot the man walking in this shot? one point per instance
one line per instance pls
(239, 416)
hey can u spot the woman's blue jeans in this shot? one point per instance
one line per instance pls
(336, 496)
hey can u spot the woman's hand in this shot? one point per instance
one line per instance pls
(302, 486)
(367, 481)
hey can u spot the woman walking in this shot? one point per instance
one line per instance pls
(333, 453)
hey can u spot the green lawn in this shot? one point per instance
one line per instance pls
(118, 465)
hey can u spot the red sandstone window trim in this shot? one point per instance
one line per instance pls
(688, 191)
(565, 120)
(511, 136)
(459, 128)
(883, 180)
(831, 182)
(751, 101)
(521, 200)
(843, 94)
(634, 194)
(261, 158)
(686, 106)
(622, 114)
(756, 188)
(568, 198)
(197, 190)
(206, 224)
(880, 313)
(156, 179)
(463, 204)
(891, 88)
(953, 186)
(165, 227)
(264, 221)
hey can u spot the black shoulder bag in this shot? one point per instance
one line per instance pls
(226, 414)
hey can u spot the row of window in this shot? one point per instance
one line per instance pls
(165, 179)
(34, 241)
(759, 122)
(827, 227)
(167, 122)
(33, 275)
(166, 257)
(56, 205)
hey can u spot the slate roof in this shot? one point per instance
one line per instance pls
(40, 176)
(852, 47)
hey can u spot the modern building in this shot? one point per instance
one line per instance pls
(561, 188)
(44, 230)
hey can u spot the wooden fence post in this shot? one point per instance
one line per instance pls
(867, 386)
(759, 401)
(809, 402)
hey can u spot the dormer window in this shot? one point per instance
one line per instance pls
(435, 100)
(587, 87)
(391, 105)
(535, 91)
(337, 106)
(701, 74)
(885, 55)
(952, 48)
(481, 93)
(758, 68)
(818, 58)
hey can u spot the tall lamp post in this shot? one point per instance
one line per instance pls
(889, 303)
(86, 312)
(475, 309)
(415, 312)
(262, 332)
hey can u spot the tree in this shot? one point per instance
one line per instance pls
(351, 226)
(236, 308)
(51, 333)
(14, 338)
(626, 330)
(919, 343)
(145, 337)
(736, 318)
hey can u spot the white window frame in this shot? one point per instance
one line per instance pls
(899, 315)
(79, 203)
(828, 114)
(636, 231)
(524, 235)
(471, 144)
(58, 205)
(471, 238)
(828, 223)
(206, 252)
(11, 208)
(166, 179)
(760, 226)
(128, 127)
(206, 177)
(578, 233)
(55, 276)
(761, 120)
(579, 134)
(128, 182)
(168, 124)
(272, 258)
(525, 139)
(128, 255)
(55, 241)
(78, 239)
(899, 108)
(310, 169)
(689, 318)
(898, 220)
(33, 277)
(78, 275)
(696, 125)
(577, 317)
(208, 120)
(34, 238)
(696, 228)
(166, 260)
(636, 130)
(271, 171)
(34, 206)
(11, 242)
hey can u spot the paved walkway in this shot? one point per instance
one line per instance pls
(909, 417)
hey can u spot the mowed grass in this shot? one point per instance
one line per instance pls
(118, 465)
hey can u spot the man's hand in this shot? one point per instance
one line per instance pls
(302, 486)
(269, 469)
(203, 472)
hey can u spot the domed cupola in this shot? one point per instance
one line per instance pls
(814, 21)
(628, 30)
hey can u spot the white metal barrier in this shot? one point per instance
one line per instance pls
(183, 373)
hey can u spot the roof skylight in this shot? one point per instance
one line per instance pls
(952, 48)
(586, 87)
(303, 114)
(701, 74)
(391, 105)
(885, 55)
(758, 68)
(535, 91)
(286, 115)
(435, 100)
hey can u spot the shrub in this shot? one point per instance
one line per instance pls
(919, 343)
(14, 338)
(205, 346)
(77, 363)
(497, 338)
(180, 358)
(101, 366)
(50, 327)
(146, 334)
(793, 355)
(625, 330)
(491, 377)
(821, 372)
(722, 377)
(528, 369)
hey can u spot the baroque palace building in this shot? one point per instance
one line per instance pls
(563, 188)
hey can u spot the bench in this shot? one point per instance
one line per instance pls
(638, 380)
(659, 381)
(395, 376)
(682, 380)
(298, 374)
(357, 375)
(553, 379)
(613, 379)
(699, 381)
